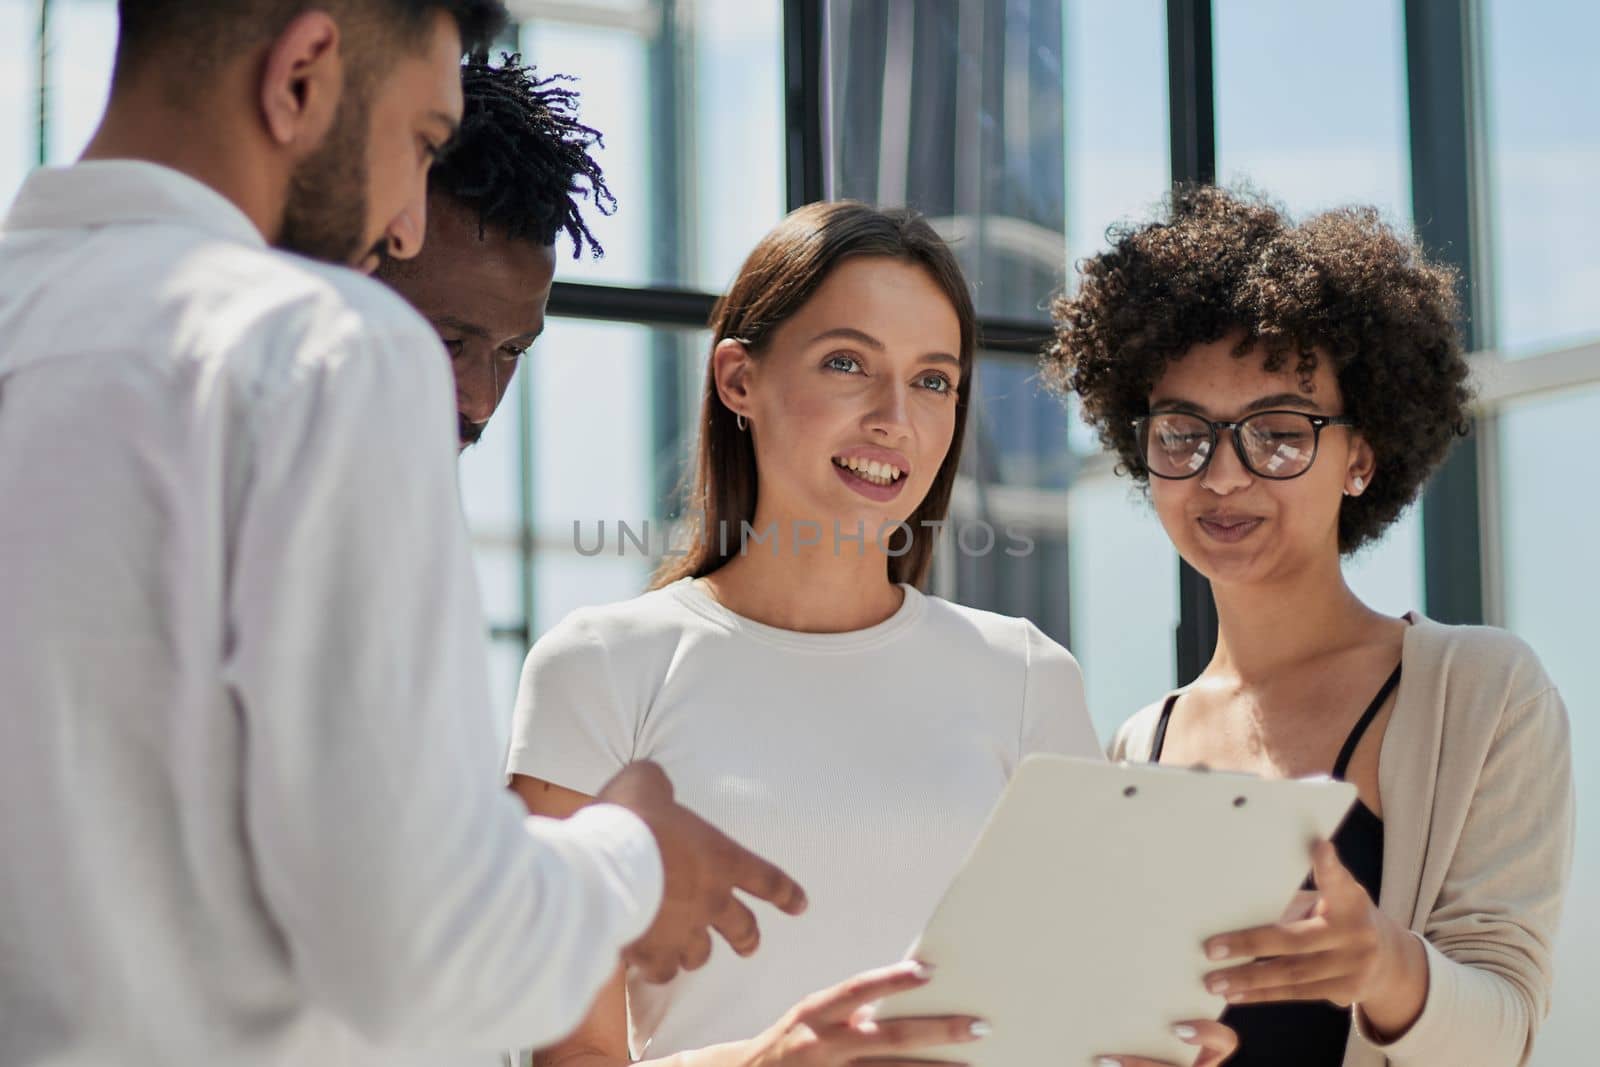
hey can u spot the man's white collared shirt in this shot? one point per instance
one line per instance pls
(250, 803)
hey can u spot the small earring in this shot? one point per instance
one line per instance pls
(744, 423)
(1361, 483)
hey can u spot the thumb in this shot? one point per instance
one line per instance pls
(1334, 881)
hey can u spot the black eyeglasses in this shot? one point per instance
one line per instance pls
(1271, 444)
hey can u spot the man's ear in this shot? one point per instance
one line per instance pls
(732, 365)
(302, 81)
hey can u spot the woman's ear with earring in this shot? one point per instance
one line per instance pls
(731, 366)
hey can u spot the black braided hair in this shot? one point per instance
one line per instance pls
(522, 157)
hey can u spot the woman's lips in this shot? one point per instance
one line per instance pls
(871, 490)
(1229, 529)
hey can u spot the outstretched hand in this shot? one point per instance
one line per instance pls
(701, 867)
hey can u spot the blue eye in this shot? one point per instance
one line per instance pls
(843, 364)
(938, 383)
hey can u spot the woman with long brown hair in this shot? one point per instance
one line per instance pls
(798, 688)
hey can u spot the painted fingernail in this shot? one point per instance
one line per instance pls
(1218, 985)
(1218, 951)
(1107, 1061)
(1185, 1032)
(979, 1028)
(921, 970)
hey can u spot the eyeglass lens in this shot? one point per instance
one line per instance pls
(1276, 444)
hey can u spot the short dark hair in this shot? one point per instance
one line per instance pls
(220, 28)
(522, 159)
(1342, 283)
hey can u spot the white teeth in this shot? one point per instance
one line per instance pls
(872, 470)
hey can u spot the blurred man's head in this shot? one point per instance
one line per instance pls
(332, 111)
(508, 188)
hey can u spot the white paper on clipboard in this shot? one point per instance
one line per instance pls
(1076, 925)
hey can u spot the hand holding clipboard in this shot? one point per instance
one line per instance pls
(1078, 923)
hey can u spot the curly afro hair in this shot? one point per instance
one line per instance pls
(1341, 285)
(522, 159)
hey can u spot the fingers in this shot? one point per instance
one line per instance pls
(1336, 989)
(1216, 1042)
(765, 881)
(650, 965)
(1279, 939)
(1334, 879)
(1266, 976)
(836, 1005)
(879, 1037)
(737, 925)
(697, 951)
(900, 1061)
(1303, 906)
(1208, 1034)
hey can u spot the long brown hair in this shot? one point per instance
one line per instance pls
(783, 272)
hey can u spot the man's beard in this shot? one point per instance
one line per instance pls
(325, 217)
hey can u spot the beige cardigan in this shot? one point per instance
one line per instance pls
(1475, 773)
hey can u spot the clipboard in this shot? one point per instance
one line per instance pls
(1075, 926)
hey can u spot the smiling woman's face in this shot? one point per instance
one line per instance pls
(1230, 525)
(852, 404)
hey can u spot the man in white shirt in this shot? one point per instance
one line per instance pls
(249, 803)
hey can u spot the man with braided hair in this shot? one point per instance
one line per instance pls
(508, 189)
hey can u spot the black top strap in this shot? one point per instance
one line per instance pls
(1342, 764)
(1161, 729)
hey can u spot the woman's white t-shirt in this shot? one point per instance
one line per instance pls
(863, 763)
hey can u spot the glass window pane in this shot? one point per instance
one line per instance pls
(1311, 102)
(505, 671)
(19, 103)
(958, 111)
(1124, 599)
(83, 46)
(1118, 148)
(614, 414)
(1543, 137)
(688, 95)
(1544, 154)
(1552, 582)
(1388, 576)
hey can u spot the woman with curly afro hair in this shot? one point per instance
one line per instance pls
(1283, 391)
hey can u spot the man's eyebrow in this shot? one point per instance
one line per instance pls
(450, 322)
(849, 333)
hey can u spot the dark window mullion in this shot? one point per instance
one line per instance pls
(1442, 69)
(1191, 91)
